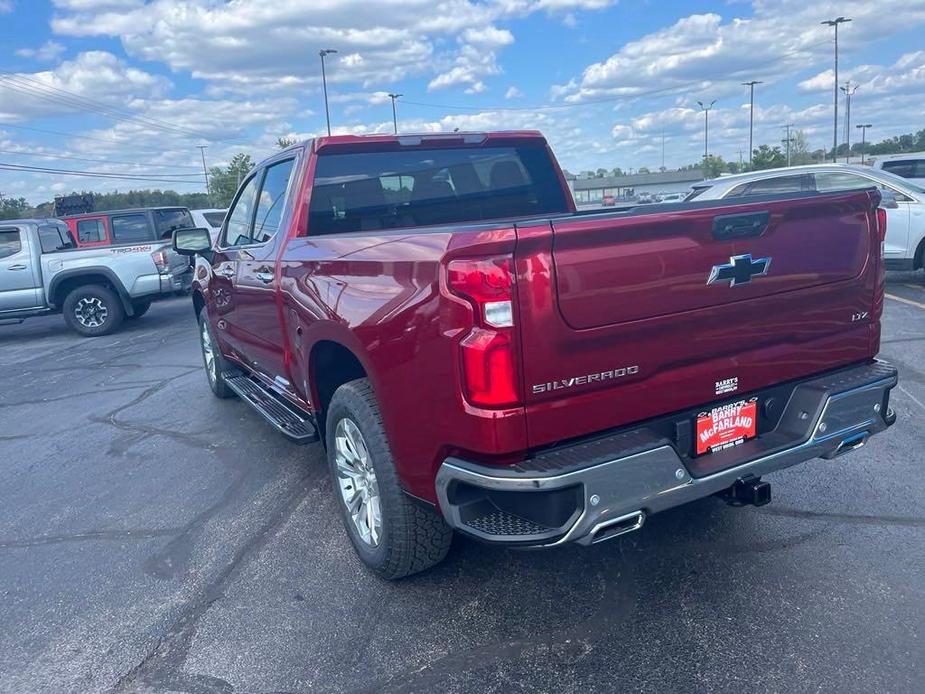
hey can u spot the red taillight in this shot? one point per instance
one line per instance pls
(488, 359)
(881, 223)
(160, 261)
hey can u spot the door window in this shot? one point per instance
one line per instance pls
(272, 201)
(10, 243)
(907, 168)
(130, 228)
(839, 180)
(769, 186)
(241, 216)
(52, 239)
(91, 231)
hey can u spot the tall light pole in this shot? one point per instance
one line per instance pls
(834, 23)
(205, 171)
(706, 128)
(863, 128)
(751, 115)
(393, 97)
(849, 92)
(324, 84)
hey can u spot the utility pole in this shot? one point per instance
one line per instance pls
(863, 128)
(834, 23)
(740, 160)
(663, 150)
(706, 128)
(205, 171)
(324, 84)
(393, 97)
(849, 92)
(788, 140)
(751, 116)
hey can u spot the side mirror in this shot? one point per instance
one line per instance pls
(192, 241)
(888, 199)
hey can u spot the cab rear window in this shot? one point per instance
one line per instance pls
(418, 187)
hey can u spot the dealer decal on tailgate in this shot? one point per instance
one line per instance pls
(727, 425)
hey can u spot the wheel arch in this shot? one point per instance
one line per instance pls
(330, 365)
(67, 281)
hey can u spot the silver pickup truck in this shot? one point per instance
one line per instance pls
(42, 271)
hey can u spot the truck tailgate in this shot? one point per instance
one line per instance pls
(626, 317)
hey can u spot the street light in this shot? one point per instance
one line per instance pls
(863, 128)
(706, 128)
(751, 115)
(393, 97)
(849, 91)
(834, 23)
(324, 84)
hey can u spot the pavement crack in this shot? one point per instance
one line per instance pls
(91, 535)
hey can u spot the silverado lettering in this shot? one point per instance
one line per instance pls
(408, 316)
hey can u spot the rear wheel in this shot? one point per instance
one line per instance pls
(140, 308)
(392, 533)
(212, 359)
(93, 310)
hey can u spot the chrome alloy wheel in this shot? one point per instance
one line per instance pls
(356, 480)
(90, 312)
(208, 353)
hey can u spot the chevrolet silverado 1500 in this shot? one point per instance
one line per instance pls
(477, 356)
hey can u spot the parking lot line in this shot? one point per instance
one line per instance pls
(918, 304)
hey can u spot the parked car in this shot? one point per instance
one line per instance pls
(672, 197)
(478, 356)
(43, 271)
(904, 201)
(210, 219)
(127, 226)
(910, 166)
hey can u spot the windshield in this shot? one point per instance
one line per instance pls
(899, 181)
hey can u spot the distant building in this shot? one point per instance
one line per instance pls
(591, 191)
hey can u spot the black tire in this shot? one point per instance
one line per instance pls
(93, 310)
(140, 308)
(414, 537)
(216, 370)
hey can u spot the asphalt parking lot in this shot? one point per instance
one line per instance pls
(154, 538)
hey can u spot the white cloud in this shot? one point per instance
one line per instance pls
(48, 51)
(6, 6)
(513, 93)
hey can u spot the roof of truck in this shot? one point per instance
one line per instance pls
(30, 220)
(126, 210)
(472, 137)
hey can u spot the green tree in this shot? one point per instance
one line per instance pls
(616, 171)
(800, 153)
(713, 166)
(643, 170)
(13, 208)
(766, 157)
(284, 142)
(600, 173)
(224, 181)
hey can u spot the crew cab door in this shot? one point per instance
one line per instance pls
(20, 287)
(243, 287)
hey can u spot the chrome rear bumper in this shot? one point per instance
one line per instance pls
(597, 489)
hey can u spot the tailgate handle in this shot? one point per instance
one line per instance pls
(737, 226)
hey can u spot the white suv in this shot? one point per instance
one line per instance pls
(910, 166)
(904, 201)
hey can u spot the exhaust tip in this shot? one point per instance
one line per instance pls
(618, 526)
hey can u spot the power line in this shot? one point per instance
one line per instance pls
(33, 87)
(115, 143)
(5, 166)
(48, 155)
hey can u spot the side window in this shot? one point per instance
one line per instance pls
(51, 239)
(130, 228)
(91, 231)
(10, 243)
(168, 221)
(272, 200)
(768, 186)
(241, 216)
(837, 180)
(907, 168)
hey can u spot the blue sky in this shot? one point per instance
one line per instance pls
(132, 87)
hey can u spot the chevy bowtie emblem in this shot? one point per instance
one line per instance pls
(739, 270)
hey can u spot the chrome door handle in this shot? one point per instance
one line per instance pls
(17, 267)
(265, 277)
(227, 272)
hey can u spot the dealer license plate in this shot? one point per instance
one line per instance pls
(726, 426)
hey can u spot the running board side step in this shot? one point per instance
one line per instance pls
(292, 423)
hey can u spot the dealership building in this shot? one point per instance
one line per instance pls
(589, 191)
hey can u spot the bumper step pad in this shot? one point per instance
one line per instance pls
(293, 424)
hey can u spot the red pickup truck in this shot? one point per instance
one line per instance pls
(477, 356)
